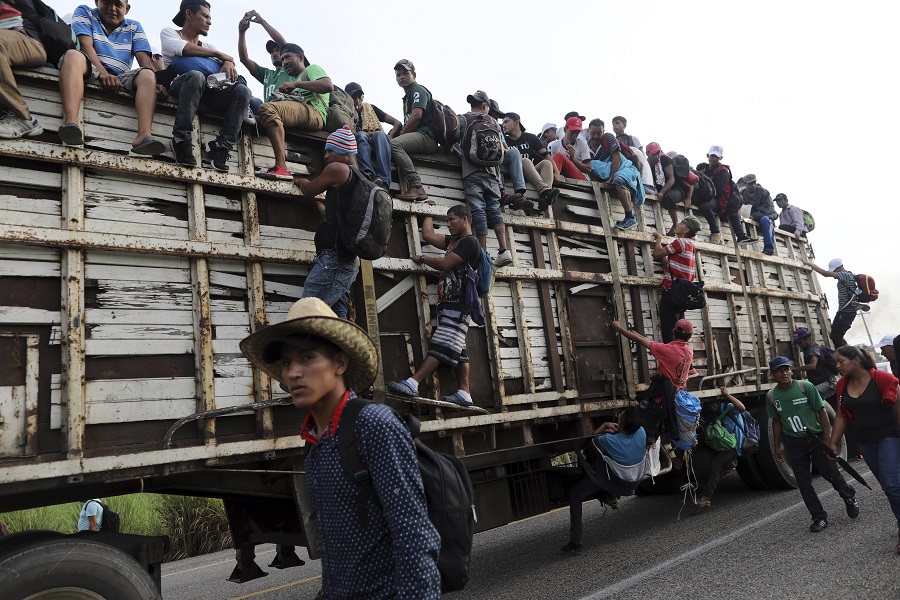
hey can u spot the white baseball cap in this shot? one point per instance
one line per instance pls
(548, 126)
(834, 263)
(887, 340)
(716, 150)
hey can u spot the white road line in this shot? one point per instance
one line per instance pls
(621, 586)
(221, 562)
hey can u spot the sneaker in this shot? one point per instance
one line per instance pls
(571, 548)
(818, 525)
(769, 251)
(402, 388)
(503, 259)
(626, 223)
(715, 238)
(218, 155)
(522, 203)
(249, 118)
(852, 507)
(70, 134)
(506, 198)
(746, 240)
(276, 173)
(704, 502)
(547, 198)
(12, 127)
(184, 153)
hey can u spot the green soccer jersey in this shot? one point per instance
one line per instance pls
(797, 408)
(272, 79)
(417, 96)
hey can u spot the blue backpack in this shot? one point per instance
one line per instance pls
(687, 412)
(478, 284)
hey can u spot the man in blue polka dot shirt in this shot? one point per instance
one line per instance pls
(384, 547)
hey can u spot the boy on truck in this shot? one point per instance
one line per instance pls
(798, 413)
(387, 548)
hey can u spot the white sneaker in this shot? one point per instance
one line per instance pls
(715, 238)
(12, 127)
(249, 118)
(503, 259)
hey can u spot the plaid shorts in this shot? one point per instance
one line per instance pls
(127, 78)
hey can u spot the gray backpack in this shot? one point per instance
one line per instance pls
(341, 112)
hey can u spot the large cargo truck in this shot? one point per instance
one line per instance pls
(127, 283)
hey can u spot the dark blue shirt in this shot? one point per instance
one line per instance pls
(395, 555)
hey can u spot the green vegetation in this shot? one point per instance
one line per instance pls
(194, 525)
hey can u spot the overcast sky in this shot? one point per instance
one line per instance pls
(800, 93)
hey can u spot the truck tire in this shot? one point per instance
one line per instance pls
(778, 475)
(82, 570)
(751, 474)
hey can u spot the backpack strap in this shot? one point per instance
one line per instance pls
(724, 412)
(351, 461)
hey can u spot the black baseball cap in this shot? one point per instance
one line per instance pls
(780, 197)
(495, 109)
(271, 46)
(295, 49)
(574, 113)
(180, 17)
(353, 89)
(516, 117)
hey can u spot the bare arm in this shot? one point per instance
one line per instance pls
(776, 439)
(688, 197)
(811, 366)
(197, 50)
(415, 117)
(92, 524)
(837, 431)
(826, 423)
(820, 270)
(273, 33)
(394, 123)
(737, 403)
(143, 60)
(319, 86)
(430, 237)
(333, 175)
(659, 251)
(670, 180)
(631, 335)
(248, 62)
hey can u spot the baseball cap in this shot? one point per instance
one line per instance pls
(684, 326)
(750, 178)
(715, 151)
(495, 110)
(574, 123)
(271, 46)
(801, 334)
(548, 126)
(180, 17)
(778, 362)
(405, 65)
(516, 117)
(653, 148)
(154, 51)
(479, 96)
(780, 197)
(834, 263)
(887, 340)
(293, 48)
(575, 113)
(693, 224)
(353, 89)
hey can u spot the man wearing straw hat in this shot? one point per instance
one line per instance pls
(389, 548)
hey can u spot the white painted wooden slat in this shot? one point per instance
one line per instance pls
(136, 274)
(141, 332)
(121, 390)
(129, 348)
(99, 257)
(226, 346)
(29, 219)
(30, 178)
(23, 315)
(227, 332)
(135, 412)
(22, 268)
(124, 316)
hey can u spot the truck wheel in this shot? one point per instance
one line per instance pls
(778, 475)
(750, 473)
(82, 570)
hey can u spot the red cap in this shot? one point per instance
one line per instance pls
(684, 326)
(653, 148)
(573, 124)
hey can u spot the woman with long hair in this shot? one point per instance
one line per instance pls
(868, 399)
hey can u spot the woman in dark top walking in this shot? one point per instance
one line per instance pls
(867, 398)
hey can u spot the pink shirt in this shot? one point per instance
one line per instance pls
(674, 361)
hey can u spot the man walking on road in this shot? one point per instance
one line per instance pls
(798, 413)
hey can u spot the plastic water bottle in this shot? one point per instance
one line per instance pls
(218, 81)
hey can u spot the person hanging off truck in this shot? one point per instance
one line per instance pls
(847, 305)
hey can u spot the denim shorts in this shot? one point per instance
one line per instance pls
(330, 279)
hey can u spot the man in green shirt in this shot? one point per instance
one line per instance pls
(415, 137)
(270, 78)
(798, 412)
(298, 104)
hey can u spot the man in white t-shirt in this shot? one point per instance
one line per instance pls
(91, 516)
(570, 152)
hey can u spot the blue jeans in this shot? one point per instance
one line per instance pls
(768, 231)
(483, 197)
(232, 102)
(330, 279)
(512, 160)
(884, 460)
(374, 147)
(255, 103)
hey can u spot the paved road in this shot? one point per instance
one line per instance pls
(748, 545)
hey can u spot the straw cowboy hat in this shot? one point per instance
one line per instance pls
(312, 317)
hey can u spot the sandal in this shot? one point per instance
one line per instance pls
(456, 398)
(70, 134)
(149, 146)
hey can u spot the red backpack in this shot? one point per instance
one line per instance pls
(867, 291)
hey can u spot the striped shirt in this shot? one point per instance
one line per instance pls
(115, 50)
(681, 261)
(846, 289)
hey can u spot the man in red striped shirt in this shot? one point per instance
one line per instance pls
(678, 260)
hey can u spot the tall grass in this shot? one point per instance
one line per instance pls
(194, 525)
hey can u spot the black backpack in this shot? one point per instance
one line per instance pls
(828, 360)
(448, 493)
(364, 221)
(110, 520)
(444, 125)
(56, 36)
(681, 166)
(482, 144)
(732, 200)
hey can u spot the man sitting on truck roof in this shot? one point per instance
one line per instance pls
(415, 137)
(378, 546)
(448, 342)
(537, 166)
(300, 104)
(570, 151)
(270, 78)
(609, 164)
(762, 210)
(20, 46)
(791, 218)
(109, 42)
(231, 101)
(335, 267)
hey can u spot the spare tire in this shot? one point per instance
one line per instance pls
(74, 568)
(778, 474)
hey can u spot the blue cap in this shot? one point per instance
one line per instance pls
(778, 362)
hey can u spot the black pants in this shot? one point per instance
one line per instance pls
(669, 314)
(800, 453)
(842, 322)
(791, 229)
(709, 212)
(586, 489)
(718, 462)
